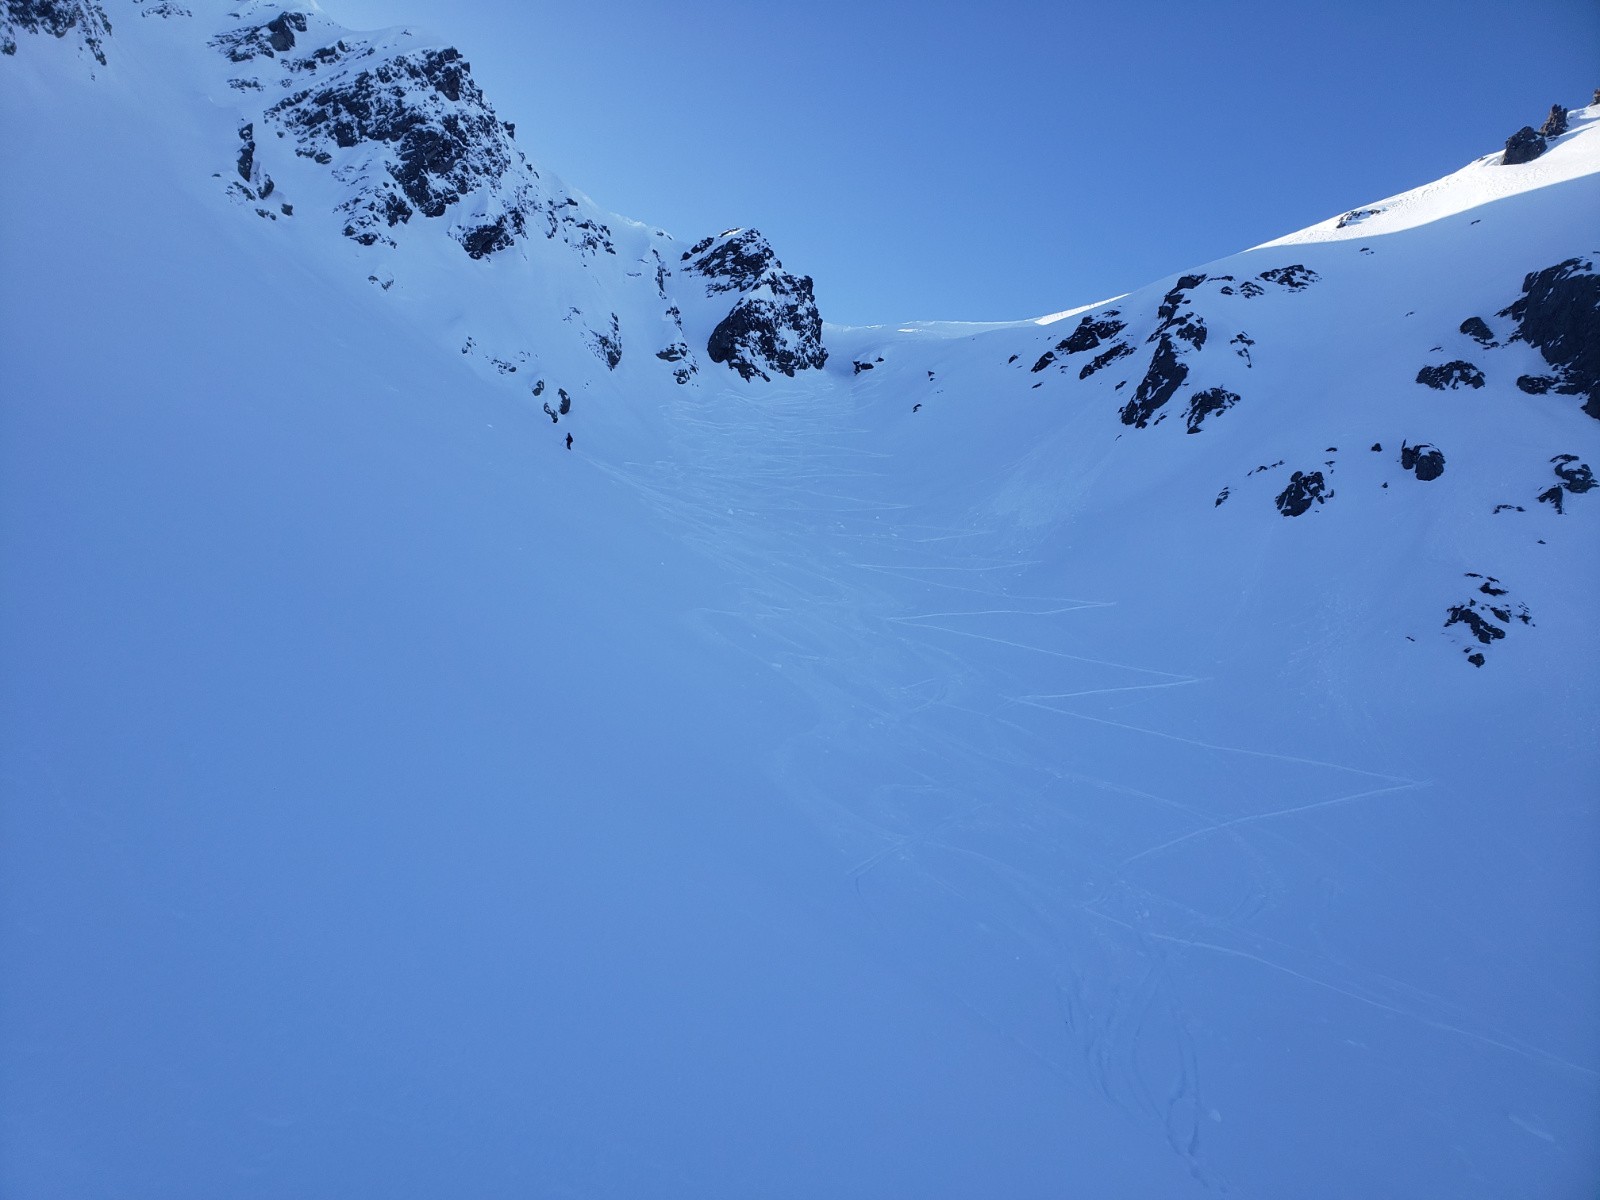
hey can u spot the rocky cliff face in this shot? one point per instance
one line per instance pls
(389, 137)
(774, 325)
(84, 20)
(1559, 314)
(406, 128)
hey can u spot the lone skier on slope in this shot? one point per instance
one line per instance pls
(569, 441)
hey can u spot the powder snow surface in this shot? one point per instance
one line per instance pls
(905, 781)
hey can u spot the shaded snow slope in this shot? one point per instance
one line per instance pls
(1148, 753)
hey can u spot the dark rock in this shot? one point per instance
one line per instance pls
(262, 41)
(1092, 332)
(1243, 341)
(566, 401)
(1523, 146)
(676, 352)
(737, 265)
(1484, 630)
(1425, 461)
(1221, 496)
(1486, 621)
(56, 18)
(1191, 329)
(1576, 479)
(607, 346)
(1105, 359)
(1537, 385)
(1295, 277)
(1172, 319)
(1451, 375)
(1556, 123)
(1356, 215)
(247, 151)
(775, 326)
(1500, 508)
(1559, 314)
(281, 30)
(1478, 330)
(698, 247)
(759, 334)
(1178, 293)
(1164, 376)
(1203, 404)
(1303, 490)
(1553, 497)
(1377, 447)
(482, 241)
(436, 140)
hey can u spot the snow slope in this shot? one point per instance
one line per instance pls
(931, 772)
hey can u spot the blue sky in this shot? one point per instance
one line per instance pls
(1007, 160)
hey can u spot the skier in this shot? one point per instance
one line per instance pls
(569, 441)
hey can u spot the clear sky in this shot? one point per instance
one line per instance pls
(1011, 159)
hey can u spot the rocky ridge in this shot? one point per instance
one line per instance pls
(84, 20)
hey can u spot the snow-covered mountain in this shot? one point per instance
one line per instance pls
(1142, 752)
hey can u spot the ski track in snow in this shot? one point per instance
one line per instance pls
(988, 824)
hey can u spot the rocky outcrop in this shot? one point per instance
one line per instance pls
(1572, 478)
(1484, 617)
(1555, 124)
(1559, 314)
(1204, 404)
(276, 37)
(1161, 380)
(1304, 490)
(774, 326)
(444, 139)
(607, 343)
(1092, 332)
(1355, 216)
(762, 335)
(1105, 358)
(1456, 374)
(410, 133)
(1478, 330)
(1295, 277)
(84, 19)
(1423, 460)
(1523, 146)
(737, 260)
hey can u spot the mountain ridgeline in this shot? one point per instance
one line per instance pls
(386, 139)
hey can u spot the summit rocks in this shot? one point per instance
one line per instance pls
(774, 326)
